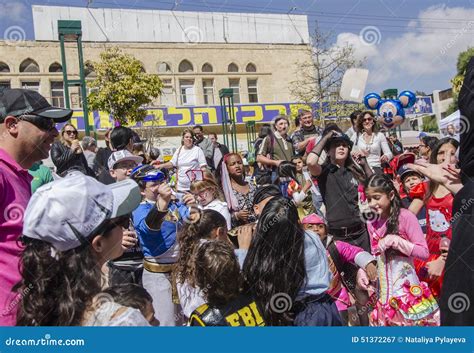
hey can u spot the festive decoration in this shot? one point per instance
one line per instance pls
(390, 112)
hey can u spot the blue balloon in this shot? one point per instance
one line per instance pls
(371, 96)
(390, 112)
(411, 98)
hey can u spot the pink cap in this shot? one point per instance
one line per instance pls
(313, 219)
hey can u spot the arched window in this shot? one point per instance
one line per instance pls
(233, 68)
(163, 67)
(207, 67)
(185, 66)
(4, 67)
(251, 68)
(55, 67)
(29, 65)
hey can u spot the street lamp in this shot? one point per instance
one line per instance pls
(229, 126)
(71, 31)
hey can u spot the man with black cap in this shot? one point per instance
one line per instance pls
(27, 131)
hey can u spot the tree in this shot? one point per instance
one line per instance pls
(457, 81)
(319, 80)
(121, 87)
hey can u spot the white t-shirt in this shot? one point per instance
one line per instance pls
(221, 207)
(377, 147)
(187, 159)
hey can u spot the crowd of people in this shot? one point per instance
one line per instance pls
(326, 228)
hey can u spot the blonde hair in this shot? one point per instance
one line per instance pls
(61, 138)
(208, 183)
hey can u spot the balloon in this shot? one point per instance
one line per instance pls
(390, 112)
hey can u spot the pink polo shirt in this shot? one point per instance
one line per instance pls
(15, 192)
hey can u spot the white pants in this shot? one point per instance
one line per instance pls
(159, 287)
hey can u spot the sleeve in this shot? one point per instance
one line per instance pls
(139, 222)
(209, 149)
(347, 251)
(174, 159)
(61, 155)
(410, 226)
(201, 158)
(264, 147)
(296, 139)
(241, 255)
(385, 147)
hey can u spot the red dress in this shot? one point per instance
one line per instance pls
(438, 224)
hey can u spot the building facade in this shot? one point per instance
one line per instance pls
(258, 65)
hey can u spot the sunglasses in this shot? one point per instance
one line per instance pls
(70, 132)
(44, 124)
(368, 119)
(123, 221)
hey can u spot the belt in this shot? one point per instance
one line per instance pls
(157, 268)
(346, 231)
(164, 268)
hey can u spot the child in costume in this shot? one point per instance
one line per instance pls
(343, 259)
(438, 201)
(396, 240)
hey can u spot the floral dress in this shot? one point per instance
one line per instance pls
(402, 299)
(245, 202)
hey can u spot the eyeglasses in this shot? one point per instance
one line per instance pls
(201, 194)
(44, 124)
(368, 119)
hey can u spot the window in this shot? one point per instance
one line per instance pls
(167, 97)
(207, 67)
(29, 65)
(251, 68)
(57, 94)
(186, 89)
(252, 89)
(185, 66)
(164, 68)
(33, 85)
(208, 91)
(4, 67)
(234, 83)
(233, 68)
(55, 67)
(4, 85)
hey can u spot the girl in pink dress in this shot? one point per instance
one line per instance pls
(396, 240)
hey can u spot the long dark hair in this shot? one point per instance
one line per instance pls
(56, 291)
(434, 160)
(383, 184)
(360, 122)
(275, 263)
(189, 237)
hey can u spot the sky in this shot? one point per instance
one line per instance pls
(405, 44)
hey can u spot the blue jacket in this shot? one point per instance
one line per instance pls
(157, 242)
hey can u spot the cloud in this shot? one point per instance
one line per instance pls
(426, 47)
(14, 12)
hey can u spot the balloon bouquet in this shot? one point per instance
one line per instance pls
(390, 112)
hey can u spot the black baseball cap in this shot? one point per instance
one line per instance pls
(337, 138)
(16, 102)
